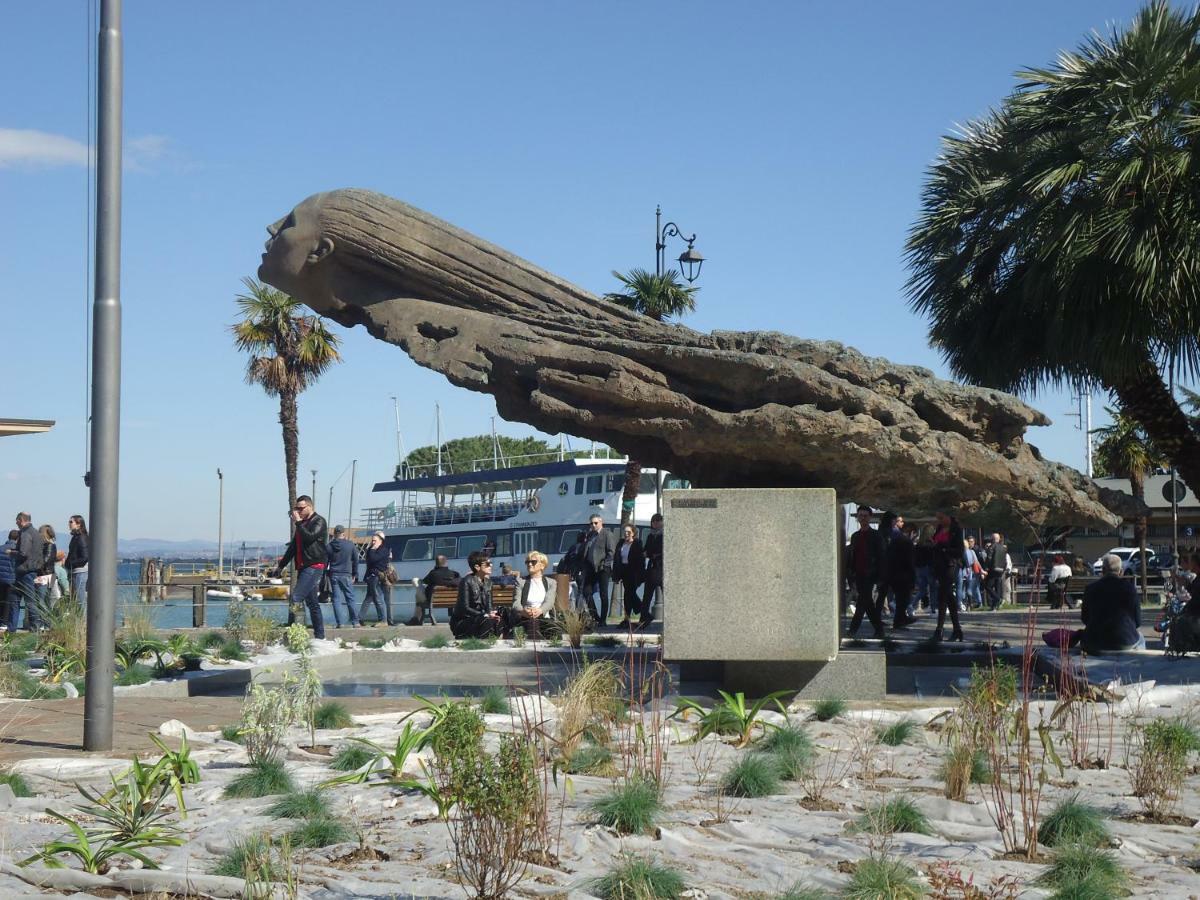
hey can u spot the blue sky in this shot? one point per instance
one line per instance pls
(792, 137)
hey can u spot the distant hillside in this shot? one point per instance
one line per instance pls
(162, 547)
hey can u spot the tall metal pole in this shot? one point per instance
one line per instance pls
(437, 411)
(399, 442)
(1174, 491)
(350, 506)
(314, 490)
(658, 240)
(106, 388)
(220, 524)
(1087, 433)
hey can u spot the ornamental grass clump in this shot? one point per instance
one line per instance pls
(804, 892)
(1078, 871)
(897, 733)
(435, 642)
(591, 759)
(631, 808)
(792, 748)
(263, 779)
(638, 878)
(1072, 822)
(351, 757)
(754, 775)
(332, 714)
(1159, 763)
(252, 858)
(883, 878)
(473, 644)
(494, 701)
(828, 708)
(321, 831)
(310, 804)
(895, 815)
(18, 785)
(961, 768)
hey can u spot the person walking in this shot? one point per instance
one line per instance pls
(900, 568)
(629, 567)
(864, 563)
(948, 548)
(29, 561)
(343, 572)
(598, 552)
(926, 593)
(308, 554)
(973, 575)
(653, 584)
(10, 604)
(997, 560)
(77, 558)
(46, 581)
(379, 588)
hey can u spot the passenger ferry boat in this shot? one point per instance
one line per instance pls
(514, 509)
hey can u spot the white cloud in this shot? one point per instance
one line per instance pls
(26, 147)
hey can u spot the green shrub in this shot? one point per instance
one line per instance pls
(20, 787)
(1076, 868)
(372, 643)
(828, 708)
(494, 701)
(994, 685)
(897, 733)
(351, 757)
(435, 642)
(896, 814)
(603, 640)
(211, 640)
(332, 714)
(754, 775)
(802, 892)
(311, 804)
(591, 759)
(231, 733)
(232, 650)
(473, 644)
(881, 878)
(1072, 822)
(252, 858)
(631, 808)
(636, 878)
(459, 732)
(135, 674)
(1174, 737)
(264, 778)
(320, 832)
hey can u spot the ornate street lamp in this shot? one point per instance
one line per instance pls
(690, 260)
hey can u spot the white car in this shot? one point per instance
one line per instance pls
(1129, 556)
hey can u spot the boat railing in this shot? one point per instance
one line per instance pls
(406, 516)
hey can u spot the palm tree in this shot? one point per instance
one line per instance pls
(656, 296)
(1059, 236)
(288, 352)
(1124, 451)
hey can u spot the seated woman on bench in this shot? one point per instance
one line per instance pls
(535, 595)
(473, 614)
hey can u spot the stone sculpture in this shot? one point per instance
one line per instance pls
(727, 409)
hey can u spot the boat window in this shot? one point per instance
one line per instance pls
(616, 482)
(418, 548)
(446, 546)
(503, 544)
(524, 541)
(469, 543)
(646, 484)
(567, 541)
(595, 484)
(675, 483)
(578, 486)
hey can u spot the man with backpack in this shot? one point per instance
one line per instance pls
(30, 559)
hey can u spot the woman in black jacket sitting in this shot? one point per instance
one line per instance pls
(473, 615)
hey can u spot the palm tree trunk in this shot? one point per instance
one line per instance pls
(1146, 398)
(291, 441)
(633, 481)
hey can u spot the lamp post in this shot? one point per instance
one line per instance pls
(689, 260)
(314, 489)
(220, 524)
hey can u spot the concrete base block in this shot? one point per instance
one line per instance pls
(853, 675)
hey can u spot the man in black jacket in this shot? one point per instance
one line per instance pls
(441, 575)
(29, 561)
(307, 552)
(997, 563)
(864, 566)
(1111, 614)
(654, 570)
(473, 615)
(900, 568)
(598, 553)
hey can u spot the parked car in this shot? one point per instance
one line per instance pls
(1130, 557)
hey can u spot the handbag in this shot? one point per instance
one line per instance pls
(389, 577)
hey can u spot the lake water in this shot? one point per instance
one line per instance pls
(176, 610)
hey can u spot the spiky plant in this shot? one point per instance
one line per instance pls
(754, 775)
(630, 808)
(638, 878)
(262, 779)
(896, 814)
(1073, 822)
(829, 708)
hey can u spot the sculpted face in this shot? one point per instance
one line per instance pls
(294, 247)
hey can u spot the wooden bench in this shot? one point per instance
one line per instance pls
(502, 595)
